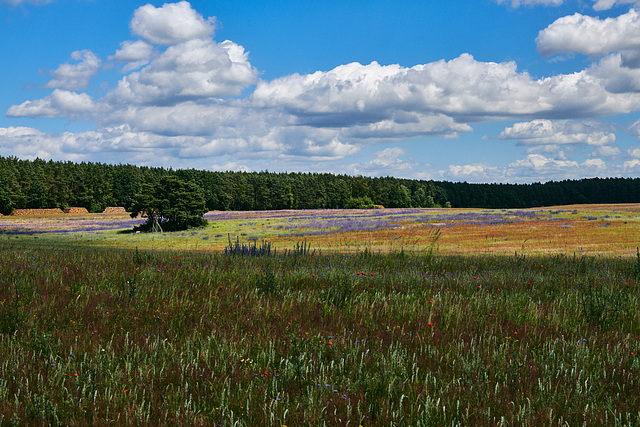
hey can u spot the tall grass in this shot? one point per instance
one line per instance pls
(97, 336)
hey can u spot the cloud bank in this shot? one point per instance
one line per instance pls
(184, 96)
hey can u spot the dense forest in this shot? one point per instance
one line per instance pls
(52, 184)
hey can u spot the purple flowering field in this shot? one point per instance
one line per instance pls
(462, 230)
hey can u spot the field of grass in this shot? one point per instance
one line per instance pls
(93, 332)
(581, 230)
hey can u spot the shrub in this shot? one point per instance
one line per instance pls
(360, 203)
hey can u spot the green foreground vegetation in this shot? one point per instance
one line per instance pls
(96, 336)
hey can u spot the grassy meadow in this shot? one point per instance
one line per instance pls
(396, 317)
(582, 230)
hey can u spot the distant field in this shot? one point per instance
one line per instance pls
(579, 229)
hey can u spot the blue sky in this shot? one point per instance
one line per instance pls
(484, 91)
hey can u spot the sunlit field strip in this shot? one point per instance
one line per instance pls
(592, 229)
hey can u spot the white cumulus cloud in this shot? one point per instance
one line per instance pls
(561, 132)
(134, 53)
(389, 161)
(631, 165)
(190, 70)
(605, 151)
(170, 24)
(60, 103)
(29, 143)
(591, 35)
(539, 167)
(75, 76)
(462, 88)
(473, 172)
(608, 4)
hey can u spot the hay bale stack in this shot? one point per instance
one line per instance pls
(76, 210)
(115, 210)
(22, 212)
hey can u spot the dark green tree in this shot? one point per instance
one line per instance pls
(419, 199)
(6, 204)
(169, 205)
(399, 197)
(359, 187)
(36, 195)
(338, 194)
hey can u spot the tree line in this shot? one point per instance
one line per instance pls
(41, 184)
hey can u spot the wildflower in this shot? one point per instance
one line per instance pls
(430, 324)
(330, 343)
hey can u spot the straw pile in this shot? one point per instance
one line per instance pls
(76, 210)
(21, 212)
